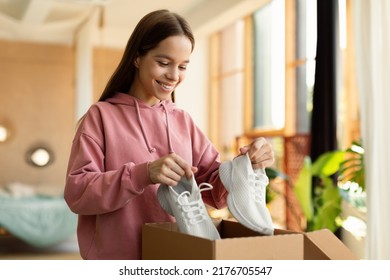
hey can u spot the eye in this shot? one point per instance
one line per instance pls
(163, 63)
(183, 67)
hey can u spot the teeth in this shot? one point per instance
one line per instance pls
(166, 86)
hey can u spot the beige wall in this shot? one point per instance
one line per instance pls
(37, 89)
(105, 62)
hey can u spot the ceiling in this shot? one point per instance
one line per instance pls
(108, 22)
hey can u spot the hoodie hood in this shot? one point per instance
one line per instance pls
(166, 106)
(126, 99)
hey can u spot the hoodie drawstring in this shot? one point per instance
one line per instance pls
(171, 151)
(150, 148)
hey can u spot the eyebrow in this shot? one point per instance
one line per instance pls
(169, 58)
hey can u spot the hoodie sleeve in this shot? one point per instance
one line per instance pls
(89, 188)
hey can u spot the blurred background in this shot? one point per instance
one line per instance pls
(294, 71)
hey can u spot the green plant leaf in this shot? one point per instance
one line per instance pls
(302, 189)
(328, 163)
(274, 173)
(321, 202)
(329, 208)
(352, 169)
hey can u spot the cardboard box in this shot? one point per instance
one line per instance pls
(163, 241)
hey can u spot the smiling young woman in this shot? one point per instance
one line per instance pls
(135, 139)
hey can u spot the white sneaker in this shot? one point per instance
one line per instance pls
(185, 203)
(246, 198)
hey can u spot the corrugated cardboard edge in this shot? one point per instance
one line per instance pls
(330, 245)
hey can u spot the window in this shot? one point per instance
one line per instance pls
(304, 63)
(231, 75)
(227, 76)
(269, 67)
(263, 73)
(263, 70)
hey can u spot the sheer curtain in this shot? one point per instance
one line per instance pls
(372, 41)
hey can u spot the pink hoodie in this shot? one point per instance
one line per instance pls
(107, 180)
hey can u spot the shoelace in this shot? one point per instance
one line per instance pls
(193, 210)
(256, 188)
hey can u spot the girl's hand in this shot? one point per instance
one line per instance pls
(260, 153)
(169, 170)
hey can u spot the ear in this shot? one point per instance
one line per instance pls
(136, 62)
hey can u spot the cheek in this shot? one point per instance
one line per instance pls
(182, 76)
(156, 72)
(149, 71)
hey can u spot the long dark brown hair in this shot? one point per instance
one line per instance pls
(149, 32)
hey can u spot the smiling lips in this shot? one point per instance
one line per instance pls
(166, 86)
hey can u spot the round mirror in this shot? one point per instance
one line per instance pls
(39, 156)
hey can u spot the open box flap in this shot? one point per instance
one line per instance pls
(330, 245)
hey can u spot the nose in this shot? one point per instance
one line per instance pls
(173, 74)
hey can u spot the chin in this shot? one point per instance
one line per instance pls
(165, 96)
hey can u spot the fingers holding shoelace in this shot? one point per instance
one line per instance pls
(260, 153)
(169, 170)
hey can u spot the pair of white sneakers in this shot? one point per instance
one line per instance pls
(247, 194)
(246, 200)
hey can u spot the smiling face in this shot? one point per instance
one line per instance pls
(161, 70)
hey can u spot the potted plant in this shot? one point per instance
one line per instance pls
(318, 186)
